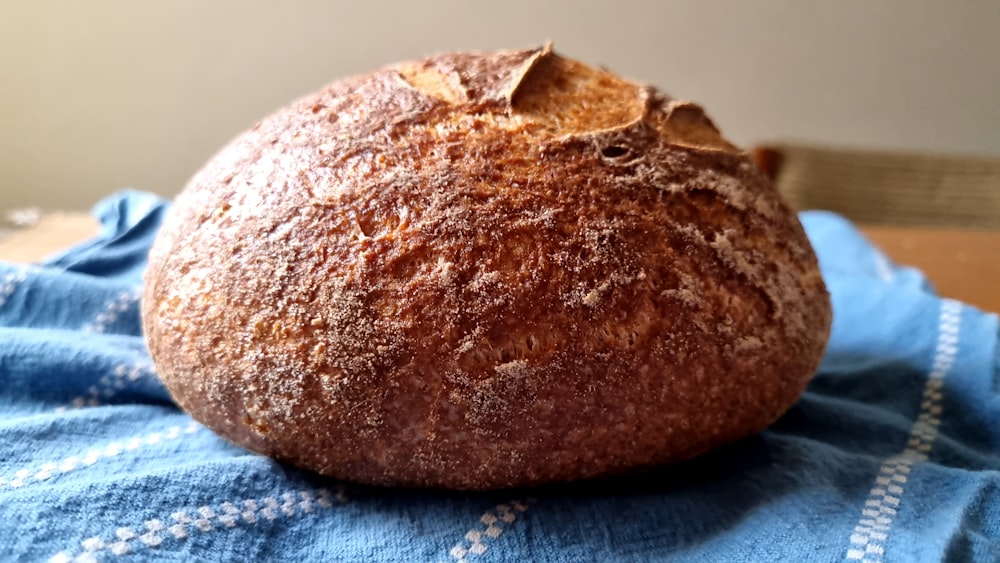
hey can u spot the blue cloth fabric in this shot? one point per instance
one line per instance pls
(891, 454)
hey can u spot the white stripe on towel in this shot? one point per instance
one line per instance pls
(185, 522)
(491, 526)
(113, 309)
(870, 536)
(9, 283)
(109, 385)
(46, 471)
(883, 269)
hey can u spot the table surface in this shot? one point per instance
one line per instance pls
(962, 264)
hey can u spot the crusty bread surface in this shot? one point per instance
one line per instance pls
(483, 270)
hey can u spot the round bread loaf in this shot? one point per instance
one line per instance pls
(483, 270)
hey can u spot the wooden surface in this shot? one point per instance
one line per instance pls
(964, 265)
(53, 232)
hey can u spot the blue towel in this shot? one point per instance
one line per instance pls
(891, 454)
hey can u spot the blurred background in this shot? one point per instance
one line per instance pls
(97, 96)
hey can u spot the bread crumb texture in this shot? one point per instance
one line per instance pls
(483, 270)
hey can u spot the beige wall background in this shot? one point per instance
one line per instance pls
(97, 96)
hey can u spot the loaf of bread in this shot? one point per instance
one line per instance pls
(483, 270)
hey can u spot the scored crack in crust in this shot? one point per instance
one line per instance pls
(483, 270)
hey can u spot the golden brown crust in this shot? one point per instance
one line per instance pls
(480, 271)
